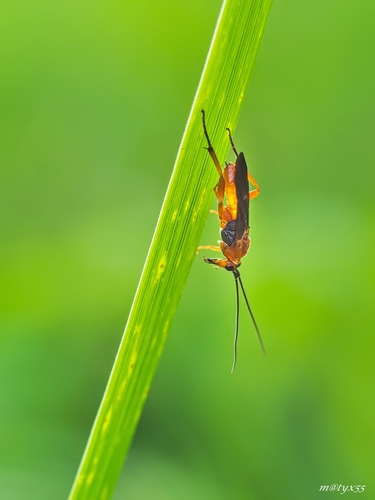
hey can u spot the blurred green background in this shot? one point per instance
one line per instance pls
(94, 100)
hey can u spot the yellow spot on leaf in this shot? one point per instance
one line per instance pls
(107, 420)
(161, 267)
(121, 391)
(178, 261)
(104, 493)
(137, 329)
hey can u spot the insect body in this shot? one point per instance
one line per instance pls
(233, 184)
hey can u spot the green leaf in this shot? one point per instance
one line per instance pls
(221, 91)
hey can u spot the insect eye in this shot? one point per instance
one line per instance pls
(229, 267)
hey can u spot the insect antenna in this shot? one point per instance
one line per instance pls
(237, 278)
(237, 319)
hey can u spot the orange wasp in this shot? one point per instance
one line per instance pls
(233, 184)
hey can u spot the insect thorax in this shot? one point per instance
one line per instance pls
(228, 234)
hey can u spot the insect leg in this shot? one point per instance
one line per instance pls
(210, 149)
(216, 262)
(254, 192)
(231, 142)
(219, 191)
(208, 247)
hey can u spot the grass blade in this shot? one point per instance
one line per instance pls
(221, 91)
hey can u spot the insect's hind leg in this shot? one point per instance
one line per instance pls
(231, 142)
(254, 192)
(210, 149)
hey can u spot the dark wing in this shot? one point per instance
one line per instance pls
(242, 192)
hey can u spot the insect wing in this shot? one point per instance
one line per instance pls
(242, 192)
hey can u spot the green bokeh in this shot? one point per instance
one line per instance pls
(94, 100)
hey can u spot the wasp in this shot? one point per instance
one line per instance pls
(233, 185)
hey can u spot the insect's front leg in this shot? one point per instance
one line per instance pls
(217, 262)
